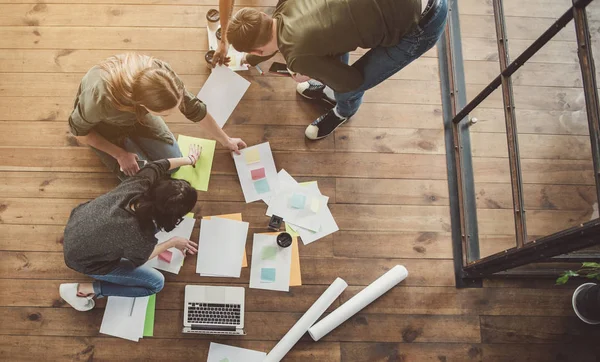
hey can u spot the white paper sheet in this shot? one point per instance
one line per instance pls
(281, 263)
(184, 230)
(244, 172)
(328, 226)
(308, 319)
(221, 247)
(117, 320)
(305, 217)
(355, 304)
(221, 353)
(222, 92)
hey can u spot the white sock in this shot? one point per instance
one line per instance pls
(335, 111)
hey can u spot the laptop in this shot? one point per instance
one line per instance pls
(214, 310)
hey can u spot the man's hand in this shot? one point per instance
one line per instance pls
(127, 162)
(235, 145)
(300, 78)
(220, 57)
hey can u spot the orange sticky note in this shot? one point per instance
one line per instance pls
(237, 217)
(295, 275)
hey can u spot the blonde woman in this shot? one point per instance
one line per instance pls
(118, 112)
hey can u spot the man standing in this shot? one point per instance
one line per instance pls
(315, 36)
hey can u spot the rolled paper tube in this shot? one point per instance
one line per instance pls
(365, 297)
(308, 319)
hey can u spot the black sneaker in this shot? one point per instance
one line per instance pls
(324, 126)
(316, 91)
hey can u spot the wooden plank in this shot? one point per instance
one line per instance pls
(105, 15)
(388, 140)
(539, 222)
(541, 8)
(263, 326)
(383, 352)
(356, 244)
(262, 88)
(391, 191)
(82, 159)
(281, 113)
(31, 237)
(532, 330)
(55, 134)
(401, 300)
(577, 351)
(21, 348)
(315, 271)
(183, 62)
(83, 186)
(570, 122)
(544, 197)
(486, 49)
(213, 3)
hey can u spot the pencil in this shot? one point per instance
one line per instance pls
(132, 306)
(259, 70)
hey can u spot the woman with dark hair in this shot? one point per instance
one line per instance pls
(110, 238)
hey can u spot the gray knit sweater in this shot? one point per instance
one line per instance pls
(102, 231)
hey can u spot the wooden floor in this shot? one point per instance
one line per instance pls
(384, 172)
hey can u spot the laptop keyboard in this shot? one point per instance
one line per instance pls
(207, 313)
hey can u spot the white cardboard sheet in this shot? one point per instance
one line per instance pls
(244, 172)
(221, 247)
(281, 263)
(224, 353)
(117, 320)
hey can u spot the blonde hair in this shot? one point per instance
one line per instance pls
(249, 29)
(134, 80)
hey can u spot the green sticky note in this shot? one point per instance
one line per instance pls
(268, 253)
(197, 176)
(289, 230)
(267, 275)
(298, 201)
(262, 186)
(149, 323)
(224, 360)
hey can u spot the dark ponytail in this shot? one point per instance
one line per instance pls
(165, 204)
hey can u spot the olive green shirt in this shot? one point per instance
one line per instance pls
(313, 34)
(94, 111)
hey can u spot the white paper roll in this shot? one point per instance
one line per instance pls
(365, 297)
(308, 319)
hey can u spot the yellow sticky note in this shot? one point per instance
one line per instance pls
(314, 205)
(252, 155)
(237, 217)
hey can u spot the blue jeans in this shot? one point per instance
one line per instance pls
(380, 63)
(146, 148)
(128, 281)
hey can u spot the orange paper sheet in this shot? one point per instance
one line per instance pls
(237, 217)
(295, 275)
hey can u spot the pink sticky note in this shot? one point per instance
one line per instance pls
(258, 173)
(166, 255)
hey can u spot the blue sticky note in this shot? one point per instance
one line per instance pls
(262, 186)
(267, 275)
(297, 201)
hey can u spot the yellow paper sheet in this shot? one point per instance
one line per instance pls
(197, 176)
(237, 217)
(295, 275)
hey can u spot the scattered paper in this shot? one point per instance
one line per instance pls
(328, 226)
(198, 176)
(263, 188)
(290, 230)
(291, 205)
(222, 92)
(237, 217)
(221, 247)
(295, 275)
(280, 278)
(269, 253)
(184, 230)
(125, 318)
(224, 353)
(150, 312)
(298, 201)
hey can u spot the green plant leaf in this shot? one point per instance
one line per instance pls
(591, 265)
(562, 279)
(593, 276)
(571, 273)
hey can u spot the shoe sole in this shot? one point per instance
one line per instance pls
(324, 99)
(329, 134)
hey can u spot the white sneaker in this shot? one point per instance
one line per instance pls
(316, 90)
(68, 292)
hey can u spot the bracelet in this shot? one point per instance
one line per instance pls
(191, 160)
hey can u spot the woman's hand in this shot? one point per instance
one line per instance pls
(127, 161)
(184, 245)
(220, 57)
(194, 153)
(235, 144)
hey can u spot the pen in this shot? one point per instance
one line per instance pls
(132, 305)
(259, 70)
